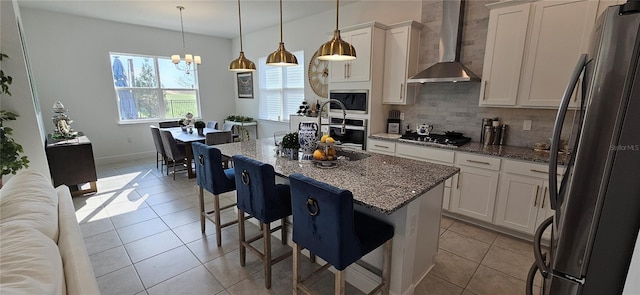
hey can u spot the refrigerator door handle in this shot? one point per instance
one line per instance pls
(557, 130)
(537, 248)
(532, 275)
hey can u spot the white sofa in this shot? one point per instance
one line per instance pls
(41, 246)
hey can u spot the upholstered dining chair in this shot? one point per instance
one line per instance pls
(212, 124)
(174, 154)
(161, 156)
(229, 127)
(168, 124)
(325, 223)
(211, 175)
(213, 138)
(260, 197)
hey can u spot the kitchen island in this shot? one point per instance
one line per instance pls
(403, 192)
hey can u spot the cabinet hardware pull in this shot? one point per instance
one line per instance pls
(535, 201)
(458, 181)
(349, 71)
(479, 162)
(401, 88)
(544, 196)
(484, 90)
(540, 171)
(345, 71)
(381, 146)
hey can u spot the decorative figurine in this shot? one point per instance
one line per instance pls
(62, 123)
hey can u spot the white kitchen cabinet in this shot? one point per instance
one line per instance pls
(523, 200)
(359, 69)
(560, 33)
(503, 54)
(474, 194)
(554, 34)
(381, 146)
(402, 44)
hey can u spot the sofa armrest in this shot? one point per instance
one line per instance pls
(78, 270)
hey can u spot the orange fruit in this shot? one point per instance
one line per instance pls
(319, 155)
(331, 152)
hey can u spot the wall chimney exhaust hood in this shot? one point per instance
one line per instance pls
(449, 68)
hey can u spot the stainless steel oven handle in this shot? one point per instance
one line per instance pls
(557, 130)
(348, 127)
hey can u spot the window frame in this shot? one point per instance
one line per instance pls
(158, 89)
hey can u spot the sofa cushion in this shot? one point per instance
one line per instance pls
(30, 200)
(29, 262)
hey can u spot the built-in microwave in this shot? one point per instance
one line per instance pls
(355, 101)
(354, 135)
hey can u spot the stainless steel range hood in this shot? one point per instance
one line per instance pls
(449, 68)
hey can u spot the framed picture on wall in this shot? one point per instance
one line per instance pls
(245, 85)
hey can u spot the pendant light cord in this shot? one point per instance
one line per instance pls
(240, 22)
(280, 21)
(337, 11)
(184, 48)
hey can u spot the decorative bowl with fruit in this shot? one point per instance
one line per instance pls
(325, 155)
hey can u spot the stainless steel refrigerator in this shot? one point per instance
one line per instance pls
(597, 202)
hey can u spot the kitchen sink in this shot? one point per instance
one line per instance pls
(351, 155)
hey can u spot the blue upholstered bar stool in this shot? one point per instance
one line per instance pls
(260, 197)
(211, 176)
(325, 223)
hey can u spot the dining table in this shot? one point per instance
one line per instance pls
(188, 138)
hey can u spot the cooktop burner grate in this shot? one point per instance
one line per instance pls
(450, 138)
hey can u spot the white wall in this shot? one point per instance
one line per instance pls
(70, 61)
(308, 34)
(26, 130)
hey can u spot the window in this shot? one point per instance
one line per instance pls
(281, 89)
(151, 87)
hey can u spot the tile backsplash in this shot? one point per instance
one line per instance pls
(454, 106)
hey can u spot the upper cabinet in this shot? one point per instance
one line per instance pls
(402, 44)
(503, 54)
(554, 32)
(359, 69)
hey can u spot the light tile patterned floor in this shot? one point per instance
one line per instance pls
(143, 235)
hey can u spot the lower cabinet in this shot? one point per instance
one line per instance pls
(523, 199)
(475, 193)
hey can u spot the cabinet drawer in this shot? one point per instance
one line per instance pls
(529, 169)
(381, 146)
(425, 154)
(479, 161)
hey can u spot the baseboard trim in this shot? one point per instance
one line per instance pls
(124, 158)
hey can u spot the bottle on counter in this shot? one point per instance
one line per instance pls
(485, 122)
(488, 135)
(318, 110)
(503, 135)
(497, 134)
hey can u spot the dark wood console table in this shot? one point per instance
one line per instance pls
(71, 163)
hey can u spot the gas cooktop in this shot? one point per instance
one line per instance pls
(453, 139)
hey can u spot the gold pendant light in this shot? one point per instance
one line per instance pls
(281, 57)
(336, 49)
(241, 64)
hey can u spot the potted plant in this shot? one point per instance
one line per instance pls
(10, 158)
(200, 126)
(290, 145)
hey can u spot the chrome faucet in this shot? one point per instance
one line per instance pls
(344, 114)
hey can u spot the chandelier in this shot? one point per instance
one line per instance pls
(188, 58)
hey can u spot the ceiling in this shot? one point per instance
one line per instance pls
(208, 17)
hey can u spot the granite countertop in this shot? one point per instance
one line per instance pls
(379, 182)
(504, 151)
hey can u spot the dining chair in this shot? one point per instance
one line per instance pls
(325, 223)
(259, 196)
(174, 154)
(161, 156)
(213, 138)
(229, 127)
(212, 124)
(211, 175)
(168, 124)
